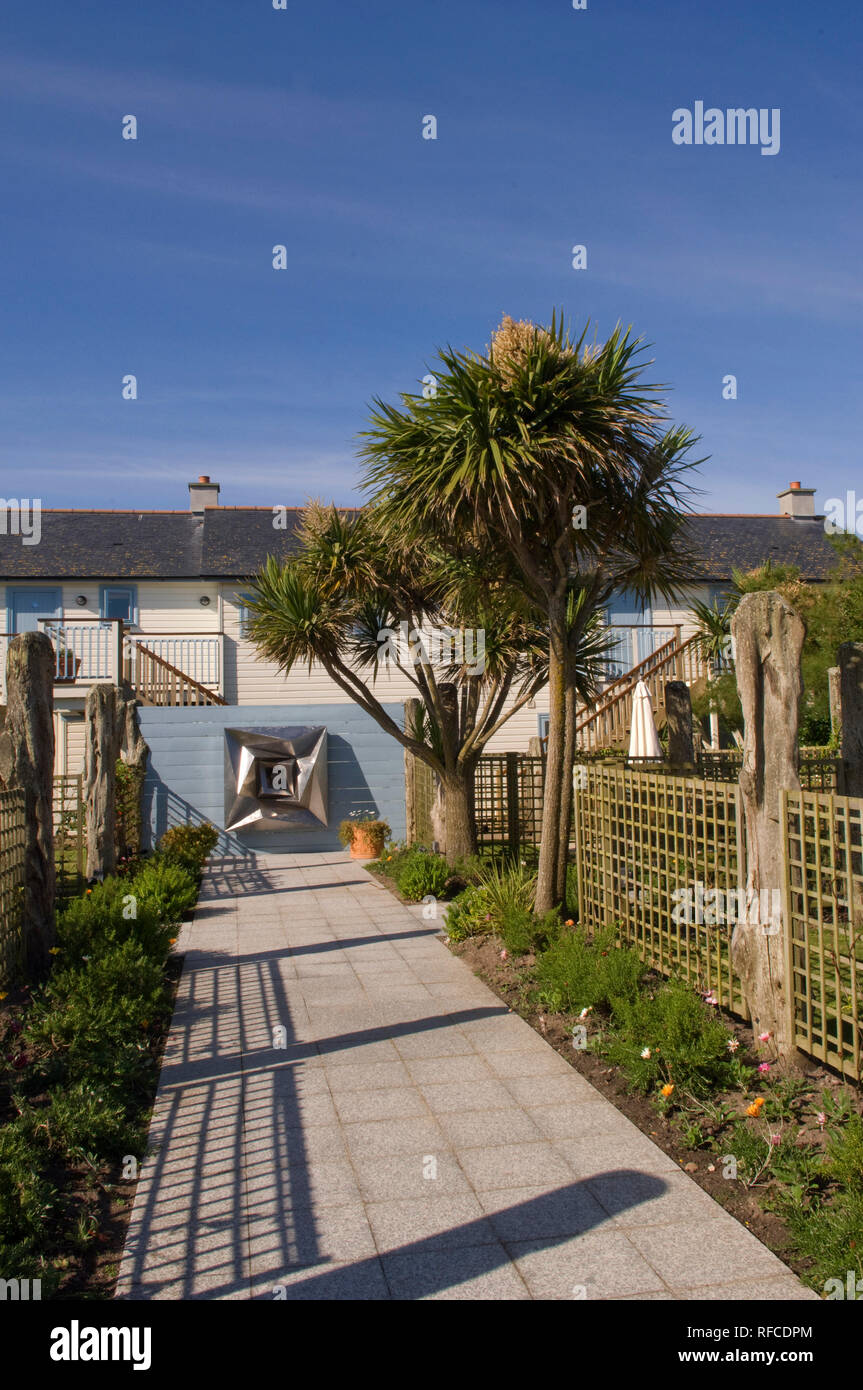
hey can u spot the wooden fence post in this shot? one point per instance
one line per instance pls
(678, 719)
(834, 686)
(768, 637)
(512, 816)
(412, 711)
(27, 764)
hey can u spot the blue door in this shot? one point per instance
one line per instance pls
(26, 606)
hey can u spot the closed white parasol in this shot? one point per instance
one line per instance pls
(643, 738)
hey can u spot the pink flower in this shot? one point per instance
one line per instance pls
(732, 1044)
(764, 1037)
(504, 955)
(775, 1140)
(764, 1066)
(821, 1118)
(710, 998)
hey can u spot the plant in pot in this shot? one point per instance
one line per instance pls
(365, 835)
(67, 666)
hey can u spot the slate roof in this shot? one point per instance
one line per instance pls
(233, 542)
(237, 540)
(723, 543)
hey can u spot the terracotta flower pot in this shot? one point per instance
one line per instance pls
(366, 844)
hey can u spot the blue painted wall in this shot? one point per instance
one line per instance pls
(186, 777)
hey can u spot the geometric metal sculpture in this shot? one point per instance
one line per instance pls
(275, 776)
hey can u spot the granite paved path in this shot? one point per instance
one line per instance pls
(404, 1137)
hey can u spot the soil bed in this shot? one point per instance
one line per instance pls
(509, 980)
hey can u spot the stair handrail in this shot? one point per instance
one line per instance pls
(210, 696)
(670, 652)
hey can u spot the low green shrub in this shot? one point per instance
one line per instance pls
(91, 1020)
(90, 1122)
(170, 889)
(522, 931)
(103, 917)
(685, 1043)
(845, 1155)
(189, 845)
(26, 1199)
(421, 875)
(515, 927)
(578, 972)
(830, 1234)
(468, 914)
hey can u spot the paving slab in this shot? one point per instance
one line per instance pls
(346, 1113)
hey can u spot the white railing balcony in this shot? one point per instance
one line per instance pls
(85, 651)
(88, 650)
(199, 657)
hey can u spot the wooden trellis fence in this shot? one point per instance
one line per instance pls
(657, 856)
(13, 847)
(824, 913)
(69, 834)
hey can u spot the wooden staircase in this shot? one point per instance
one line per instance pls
(156, 682)
(607, 724)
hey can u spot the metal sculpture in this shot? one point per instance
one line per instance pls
(275, 777)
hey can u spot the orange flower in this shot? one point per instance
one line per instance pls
(754, 1109)
(666, 1089)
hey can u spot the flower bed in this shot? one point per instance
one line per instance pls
(782, 1152)
(79, 1061)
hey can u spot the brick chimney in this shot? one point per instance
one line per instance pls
(203, 494)
(797, 502)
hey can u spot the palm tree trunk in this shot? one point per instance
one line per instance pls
(546, 888)
(570, 703)
(459, 811)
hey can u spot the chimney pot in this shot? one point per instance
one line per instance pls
(205, 478)
(794, 485)
(203, 494)
(797, 502)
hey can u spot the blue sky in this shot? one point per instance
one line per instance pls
(304, 127)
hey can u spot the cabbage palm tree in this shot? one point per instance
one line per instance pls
(348, 585)
(714, 629)
(507, 448)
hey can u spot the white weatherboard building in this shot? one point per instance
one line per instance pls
(157, 598)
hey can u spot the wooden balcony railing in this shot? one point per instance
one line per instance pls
(607, 724)
(157, 682)
(162, 668)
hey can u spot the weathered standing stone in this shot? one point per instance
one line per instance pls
(678, 719)
(133, 748)
(105, 720)
(134, 752)
(850, 657)
(27, 764)
(768, 638)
